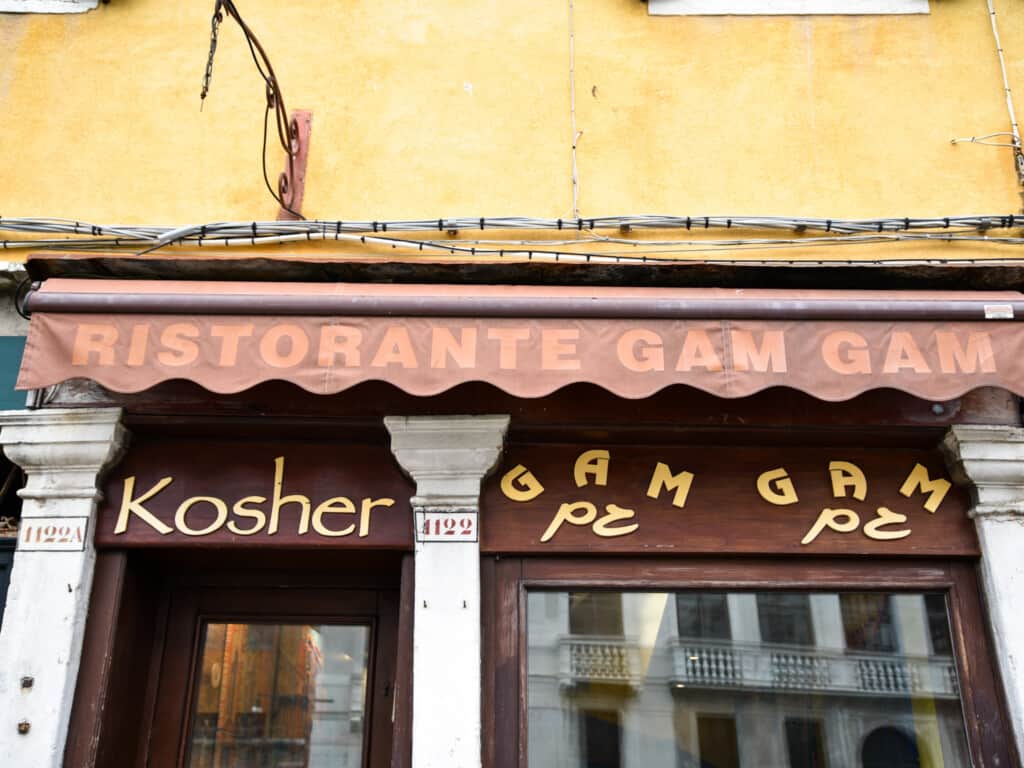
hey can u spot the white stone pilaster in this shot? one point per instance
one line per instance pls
(989, 460)
(827, 620)
(448, 457)
(63, 453)
(911, 620)
(743, 619)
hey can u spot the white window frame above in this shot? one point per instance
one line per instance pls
(783, 7)
(47, 6)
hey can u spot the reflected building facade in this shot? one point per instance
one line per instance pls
(728, 680)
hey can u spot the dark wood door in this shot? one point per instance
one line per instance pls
(254, 677)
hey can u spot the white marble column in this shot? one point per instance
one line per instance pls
(989, 460)
(63, 453)
(448, 457)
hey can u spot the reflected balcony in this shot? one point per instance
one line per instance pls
(593, 660)
(718, 665)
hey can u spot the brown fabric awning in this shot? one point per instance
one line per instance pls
(528, 341)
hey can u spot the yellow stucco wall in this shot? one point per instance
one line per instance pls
(456, 108)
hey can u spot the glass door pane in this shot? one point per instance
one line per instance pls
(280, 696)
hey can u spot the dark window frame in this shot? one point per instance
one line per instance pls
(506, 580)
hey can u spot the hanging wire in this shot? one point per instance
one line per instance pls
(1013, 134)
(215, 23)
(837, 226)
(986, 140)
(287, 132)
(576, 134)
(1018, 150)
(76, 235)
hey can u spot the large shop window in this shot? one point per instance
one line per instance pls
(734, 605)
(777, 692)
(743, 663)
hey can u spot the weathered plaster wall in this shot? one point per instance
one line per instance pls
(458, 108)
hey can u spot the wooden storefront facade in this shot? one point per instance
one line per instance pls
(681, 491)
(649, 577)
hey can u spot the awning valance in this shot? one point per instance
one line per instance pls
(529, 341)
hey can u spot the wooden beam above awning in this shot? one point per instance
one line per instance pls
(130, 335)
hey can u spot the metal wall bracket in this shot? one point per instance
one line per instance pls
(291, 184)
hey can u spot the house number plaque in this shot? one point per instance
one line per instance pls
(446, 526)
(52, 534)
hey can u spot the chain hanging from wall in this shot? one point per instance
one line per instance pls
(292, 132)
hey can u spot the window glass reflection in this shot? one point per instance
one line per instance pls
(741, 680)
(868, 622)
(595, 613)
(785, 618)
(280, 696)
(703, 615)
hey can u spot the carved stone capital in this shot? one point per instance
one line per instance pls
(989, 461)
(447, 456)
(64, 453)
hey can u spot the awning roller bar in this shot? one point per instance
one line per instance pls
(747, 307)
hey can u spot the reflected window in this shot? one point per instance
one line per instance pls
(659, 682)
(868, 623)
(890, 748)
(785, 618)
(595, 613)
(716, 740)
(601, 731)
(938, 624)
(280, 695)
(703, 615)
(805, 743)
